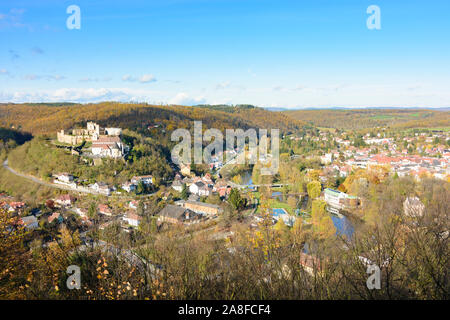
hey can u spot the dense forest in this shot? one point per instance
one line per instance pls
(47, 119)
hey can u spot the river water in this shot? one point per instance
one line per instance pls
(342, 224)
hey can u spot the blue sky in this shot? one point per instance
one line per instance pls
(290, 54)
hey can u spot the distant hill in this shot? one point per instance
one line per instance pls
(368, 118)
(275, 109)
(49, 118)
(226, 107)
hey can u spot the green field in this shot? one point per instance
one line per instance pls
(370, 118)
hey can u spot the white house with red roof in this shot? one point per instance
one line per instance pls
(65, 200)
(109, 147)
(132, 218)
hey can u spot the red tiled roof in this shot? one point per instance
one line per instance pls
(16, 205)
(133, 216)
(108, 139)
(54, 216)
(104, 208)
(66, 197)
(101, 146)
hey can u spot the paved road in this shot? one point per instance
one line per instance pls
(63, 187)
(41, 182)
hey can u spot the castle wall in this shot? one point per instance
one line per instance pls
(92, 133)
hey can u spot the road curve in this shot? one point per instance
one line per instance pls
(61, 187)
(41, 182)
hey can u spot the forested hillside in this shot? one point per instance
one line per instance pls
(47, 119)
(369, 118)
(10, 138)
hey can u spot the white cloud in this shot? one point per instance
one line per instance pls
(13, 19)
(299, 88)
(250, 71)
(280, 89)
(89, 79)
(82, 95)
(223, 85)
(56, 77)
(323, 96)
(127, 77)
(146, 78)
(17, 11)
(183, 98)
(32, 77)
(227, 85)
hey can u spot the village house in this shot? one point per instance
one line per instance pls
(132, 218)
(81, 212)
(16, 206)
(4, 205)
(207, 179)
(101, 187)
(56, 216)
(326, 158)
(129, 187)
(105, 225)
(29, 222)
(222, 188)
(177, 185)
(105, 210)
(65, 200)
(133, 204)
(176, 214)
(147, 180)
(200, 188)
(187, 181)
(185, 169)
(64, 177)
(201, 207)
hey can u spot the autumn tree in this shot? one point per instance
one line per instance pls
(282, 230)
(236, 201)
(13, 256)
(314, 189)
(184, 192)
(322, 223)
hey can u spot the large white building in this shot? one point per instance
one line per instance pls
(336, 200)
(111, 147)
(200, 188)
